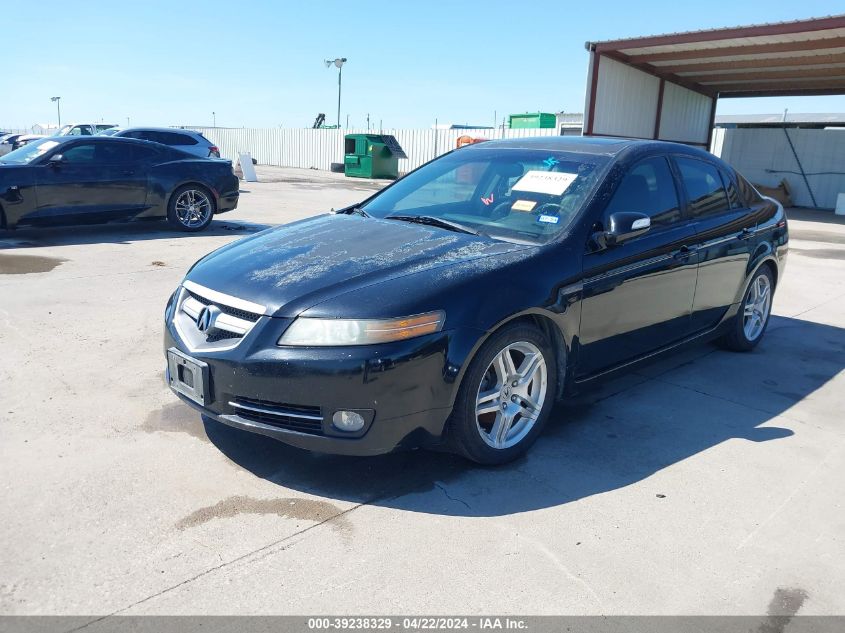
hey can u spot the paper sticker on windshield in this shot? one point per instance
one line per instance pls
(523, 205)
(551, 182)
(548, 219)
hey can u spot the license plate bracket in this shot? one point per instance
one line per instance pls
(188, 376)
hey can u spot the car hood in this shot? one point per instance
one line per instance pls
(293, 267)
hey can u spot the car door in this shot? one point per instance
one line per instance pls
(724, 228)
(638, 295)
(95, 180)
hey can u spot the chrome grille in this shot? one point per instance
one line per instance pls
(235, 312)
(209, 320)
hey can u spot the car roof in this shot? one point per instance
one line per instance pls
(96, 138)
(594, 145)
(159, 129)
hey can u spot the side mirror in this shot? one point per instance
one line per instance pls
(56, 160)
(624, 225)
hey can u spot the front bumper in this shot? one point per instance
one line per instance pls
(404, 390)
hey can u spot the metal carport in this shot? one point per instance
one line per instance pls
(666, 86)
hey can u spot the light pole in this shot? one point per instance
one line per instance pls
(339, 62)
(214, 119)
(58, 101)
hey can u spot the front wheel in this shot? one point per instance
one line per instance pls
(750, 323)
(191, 208)
(506, 396)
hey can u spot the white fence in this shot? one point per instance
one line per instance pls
(764, 156)
(317, 149)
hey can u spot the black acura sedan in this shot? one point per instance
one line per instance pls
(69, 180)
(456, 305)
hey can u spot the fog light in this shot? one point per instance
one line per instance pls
(348, 420)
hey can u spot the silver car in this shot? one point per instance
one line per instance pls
(185, 140)
(83, 129)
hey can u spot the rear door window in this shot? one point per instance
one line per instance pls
(648, 188)
(116, 153)
(730, 187)
(747, 192)
(705, 191)
(144, 153)
(174, 139)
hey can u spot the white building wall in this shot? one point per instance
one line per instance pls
(685, 115)
(764, 156)
(626, 101)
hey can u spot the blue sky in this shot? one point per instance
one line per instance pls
(260, 64)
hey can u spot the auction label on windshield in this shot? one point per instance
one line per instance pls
(553, 183)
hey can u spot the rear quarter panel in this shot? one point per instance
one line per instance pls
(165, 178)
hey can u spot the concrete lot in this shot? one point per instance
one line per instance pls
(706, 483)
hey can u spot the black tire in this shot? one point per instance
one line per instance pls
(173, 215)
(466, 429)
(737, 338)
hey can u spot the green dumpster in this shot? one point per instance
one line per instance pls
(371, 156)
(532, 120)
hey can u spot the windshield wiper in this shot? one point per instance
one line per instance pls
(433, 221)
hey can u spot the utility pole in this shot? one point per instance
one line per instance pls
(58, 101)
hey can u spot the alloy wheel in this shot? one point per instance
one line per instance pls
(757, 306)
(511, 395)
(192, 208)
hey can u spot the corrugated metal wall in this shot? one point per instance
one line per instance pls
(317, 149)
(764, 157)
(626, 100)
(685, 116)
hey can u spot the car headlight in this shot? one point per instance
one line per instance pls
(337, 332)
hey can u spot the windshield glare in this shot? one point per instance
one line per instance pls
(510, 194)
(29, 152)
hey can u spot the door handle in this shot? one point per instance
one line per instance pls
(746, 234)
(128, 172)
(685, 252)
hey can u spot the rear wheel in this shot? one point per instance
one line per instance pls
(751, 321)
(191, 208)
(506, 396)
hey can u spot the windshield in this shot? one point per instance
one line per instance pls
(29, 152)
(510, 194)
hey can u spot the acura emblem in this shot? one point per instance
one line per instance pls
(207, 318)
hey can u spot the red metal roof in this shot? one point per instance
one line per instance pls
(802, 57)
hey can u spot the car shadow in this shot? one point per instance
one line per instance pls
(621, 433)
(117, 233)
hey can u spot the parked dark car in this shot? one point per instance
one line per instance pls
(456, 305)
(99, 178)
(185, 140)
